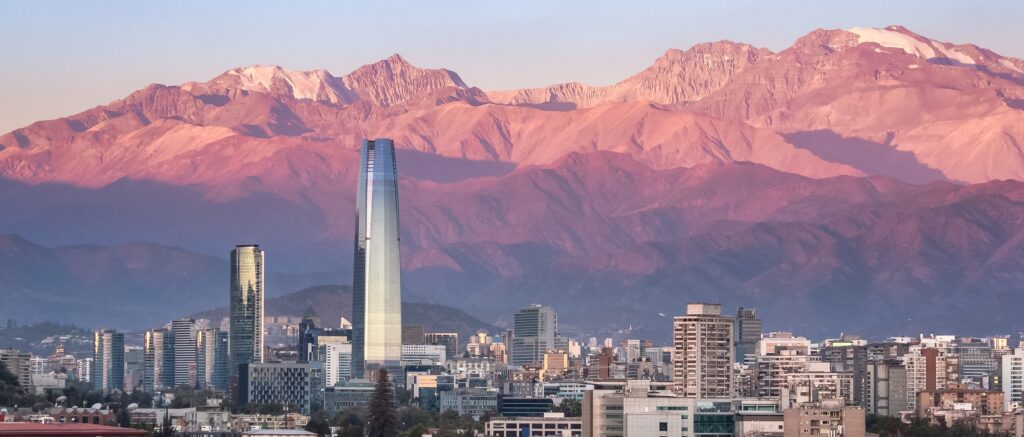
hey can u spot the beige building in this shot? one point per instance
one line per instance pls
(828, 418)
(704, 353)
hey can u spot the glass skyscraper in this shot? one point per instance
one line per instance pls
(246, 325)
(108, 361)
(376, 278)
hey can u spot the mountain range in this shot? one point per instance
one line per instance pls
(861, 180)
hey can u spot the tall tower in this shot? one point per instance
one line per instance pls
(108, 361)
(703, 341)
(376, 275)
(748, 334)
(154, 347)
(246, 328)
(184, 331)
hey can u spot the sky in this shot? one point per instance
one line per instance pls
(58, 58)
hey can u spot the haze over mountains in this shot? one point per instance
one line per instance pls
(865, 178)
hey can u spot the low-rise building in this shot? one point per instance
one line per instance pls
(276, 383)
(348, 394)
(551, 424)
(469, 401)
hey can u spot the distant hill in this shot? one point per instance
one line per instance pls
(331, 302)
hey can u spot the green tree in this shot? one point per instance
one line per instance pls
(11, 391)
(383, 417)
(570, 407)
(318, 424)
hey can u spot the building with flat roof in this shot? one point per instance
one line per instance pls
(550, 425)
(830, 418)
(704, 352)
(276, 383)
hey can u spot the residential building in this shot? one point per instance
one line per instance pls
(376, 287)
(886, 388)
(1013, 379)
(704, 350)
(17, 363)
(830, 418)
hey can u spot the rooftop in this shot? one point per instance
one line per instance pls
(28, 429)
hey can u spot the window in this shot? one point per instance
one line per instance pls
(663, 426)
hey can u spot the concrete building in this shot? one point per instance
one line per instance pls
(348, 394)
(17, 363)
(423, 354)
(275, 383)
(704, 349)
(1013, 379)
(781, 354)
(246, 306)
(886, 389)
(959, 403)
(556, 364)
(551, 425)
(825, 419)
(377, 279)
(334, 352)
(469, 401)
(534, 330)
(930, 369)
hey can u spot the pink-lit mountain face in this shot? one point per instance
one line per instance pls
(787, 180)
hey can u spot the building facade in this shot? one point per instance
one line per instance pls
(275, 383)
(376, 287)
(534, 331)
(245, 340)
(703, 359)
(108, 361)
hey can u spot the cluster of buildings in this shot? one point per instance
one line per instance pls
(722, 375)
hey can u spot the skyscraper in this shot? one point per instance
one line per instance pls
(246, 333)
(154, 347)
(108, 361)
(703, 342)
(376, 278)
(534, 332)
(184, 331)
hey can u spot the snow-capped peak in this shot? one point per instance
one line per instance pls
(313, 85)
(895, 37)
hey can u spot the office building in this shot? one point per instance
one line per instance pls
(334, 352)
(977, 359)
(550, 425)
(748, 333)
(108, 361)
(423, 354)
(275, 383)
(184, 331)
(159, 359)
(376, 287)
(211, 354)
(450, 341)
(413, 334)
(469, 401)
(703, 359)
(347, 394)
(245, 340)
(533, 332)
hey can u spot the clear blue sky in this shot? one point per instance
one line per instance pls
(61, 57)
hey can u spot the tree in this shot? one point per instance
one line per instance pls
(318, 424)
(11, 391)
(167, 427)
(570, 407)
(383, 418)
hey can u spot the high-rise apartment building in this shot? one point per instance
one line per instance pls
(376, 278)
(748, 333)
(704, 349)
(108, 361)
(885, 392)
(245, 341)
(184, 331)
(17, 363)
(534, 332)
(1013, 379)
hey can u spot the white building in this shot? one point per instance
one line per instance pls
(1013, 379)
(414, 354)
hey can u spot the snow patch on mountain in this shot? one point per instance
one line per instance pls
(890, 37)
(303, 84)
